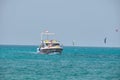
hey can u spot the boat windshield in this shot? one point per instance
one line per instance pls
(47, 44)
(56, 44)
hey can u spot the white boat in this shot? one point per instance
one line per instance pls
(48, 46)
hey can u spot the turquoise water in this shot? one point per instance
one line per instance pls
(75, 63)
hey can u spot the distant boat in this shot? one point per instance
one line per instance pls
(48, 46)
(73, 42)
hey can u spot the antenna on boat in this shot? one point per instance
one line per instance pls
(46, 33)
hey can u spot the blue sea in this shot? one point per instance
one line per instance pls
(19, 62)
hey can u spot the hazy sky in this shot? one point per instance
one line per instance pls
(87, 22)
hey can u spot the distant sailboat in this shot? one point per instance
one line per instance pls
(105, 40)
(73, 43)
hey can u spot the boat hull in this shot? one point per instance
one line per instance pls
(51, 50)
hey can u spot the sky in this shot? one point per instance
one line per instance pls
(86, 22)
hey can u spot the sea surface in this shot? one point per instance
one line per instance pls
(75, 63)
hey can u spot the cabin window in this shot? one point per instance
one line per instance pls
(55, 44)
